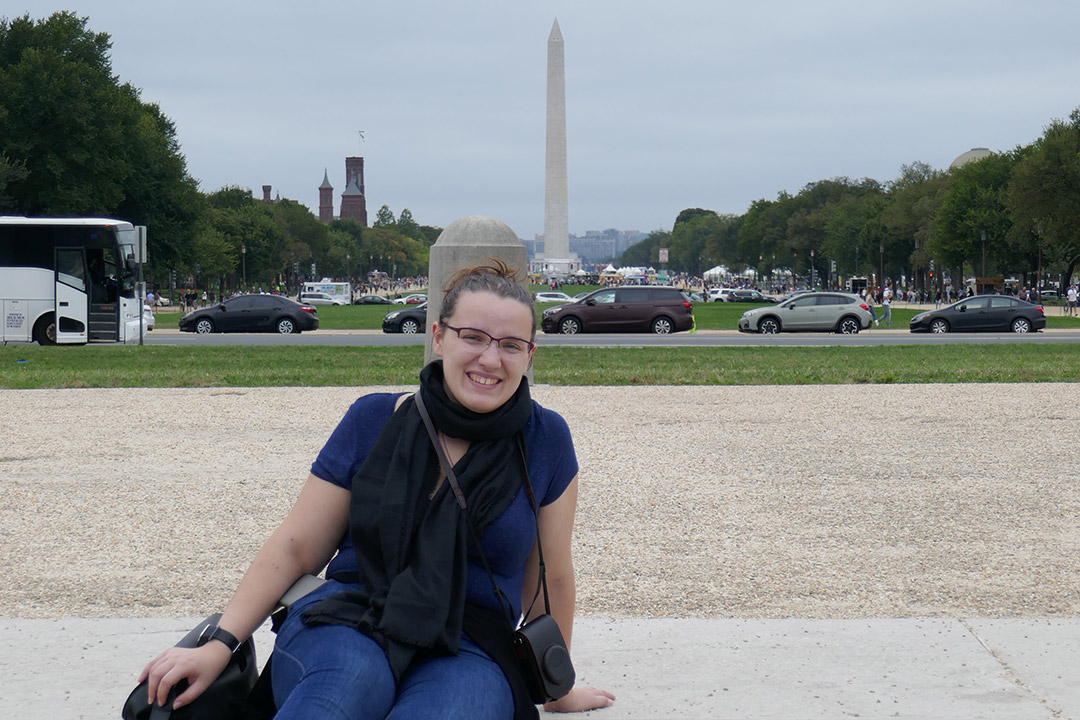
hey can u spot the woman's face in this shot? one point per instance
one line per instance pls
(482, 380)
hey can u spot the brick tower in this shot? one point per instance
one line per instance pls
(326, 199)
(353, 201)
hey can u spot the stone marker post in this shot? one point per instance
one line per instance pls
(466, 242)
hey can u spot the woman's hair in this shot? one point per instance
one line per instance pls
(492, 276)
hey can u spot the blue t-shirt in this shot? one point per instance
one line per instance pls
(508, 540)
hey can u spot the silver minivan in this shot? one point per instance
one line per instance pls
(815, 311)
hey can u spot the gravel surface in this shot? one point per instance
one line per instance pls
(767, 502)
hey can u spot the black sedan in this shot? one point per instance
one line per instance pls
(372, 300)
(982, 313)
(252, 313)
(409, 321)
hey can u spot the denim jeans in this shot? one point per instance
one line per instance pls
(334, 672)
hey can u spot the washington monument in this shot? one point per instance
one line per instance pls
(556, 221)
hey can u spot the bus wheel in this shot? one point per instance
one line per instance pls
(45, 330)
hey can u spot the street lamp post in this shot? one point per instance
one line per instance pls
(812, 276)
(982, 234)
(243, 262)
(881, 261)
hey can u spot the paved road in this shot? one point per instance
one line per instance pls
(704, 338)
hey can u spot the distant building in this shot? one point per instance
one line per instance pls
(326, 199)
(353, 199)
(970, 156)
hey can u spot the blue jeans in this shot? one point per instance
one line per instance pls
(334, 672)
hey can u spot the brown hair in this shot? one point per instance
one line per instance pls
(491, 275)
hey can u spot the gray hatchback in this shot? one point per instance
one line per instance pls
(814, 311)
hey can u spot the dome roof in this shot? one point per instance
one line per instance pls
(970, 156)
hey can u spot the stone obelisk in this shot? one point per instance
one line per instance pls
(556, 220)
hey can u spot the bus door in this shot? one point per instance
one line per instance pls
(72, 301)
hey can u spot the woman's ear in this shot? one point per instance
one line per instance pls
(436, 338)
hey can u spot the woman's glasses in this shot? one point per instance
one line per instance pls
(479, 341)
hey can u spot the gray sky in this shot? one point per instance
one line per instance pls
(669, 104)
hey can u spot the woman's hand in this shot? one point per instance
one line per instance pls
(581, 699)
(199, 666)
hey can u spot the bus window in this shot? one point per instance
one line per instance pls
(70, 269)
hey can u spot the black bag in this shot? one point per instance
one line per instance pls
(545, 662)
(227, 698)
(539, 646)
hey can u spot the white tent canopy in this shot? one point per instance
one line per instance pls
(716, 273)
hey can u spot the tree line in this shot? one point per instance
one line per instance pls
(75, 140)
(1015, 212)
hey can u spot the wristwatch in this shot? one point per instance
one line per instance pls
(215, 632)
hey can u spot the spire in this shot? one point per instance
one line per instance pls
(326, 181)
(352, 189)
(556, 33)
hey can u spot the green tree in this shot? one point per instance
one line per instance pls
(686, 248)
(1043, 199)
(407, 226)
(385, 217)
(974, 204)
(9, 172)
(911, 205)
(78, 142)
(645, 252)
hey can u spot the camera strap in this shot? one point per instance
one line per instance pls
(459, 496)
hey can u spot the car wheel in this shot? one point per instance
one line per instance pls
(768, 326)
(45, 330)
(410, 327)
(570, 326)
(286, 326)
(848, 326)
(939, 326)
(663, 325)
(1021, 325)
(204, 326)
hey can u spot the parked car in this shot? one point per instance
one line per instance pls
(635, 308)
(372, 300)
(553, 296)
(812, 311)
(252, 313)
(409, 321)
(322, 299)
(582, 295)
(719, 294)
(414, 299)
(982, 313)
(752, 296)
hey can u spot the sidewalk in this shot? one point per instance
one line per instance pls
(931, 669)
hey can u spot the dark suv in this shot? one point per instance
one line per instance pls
(635, 308)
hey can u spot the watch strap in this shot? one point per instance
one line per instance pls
(216, 632)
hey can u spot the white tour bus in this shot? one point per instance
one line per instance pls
(68, 280)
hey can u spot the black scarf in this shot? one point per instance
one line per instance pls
(411, 552)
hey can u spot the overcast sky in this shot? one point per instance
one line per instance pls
(669, 104)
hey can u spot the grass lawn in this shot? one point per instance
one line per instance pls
(31, 366)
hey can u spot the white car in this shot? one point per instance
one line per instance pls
(720, 294)
(148, 317)
(553, 296)
(321, 299)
